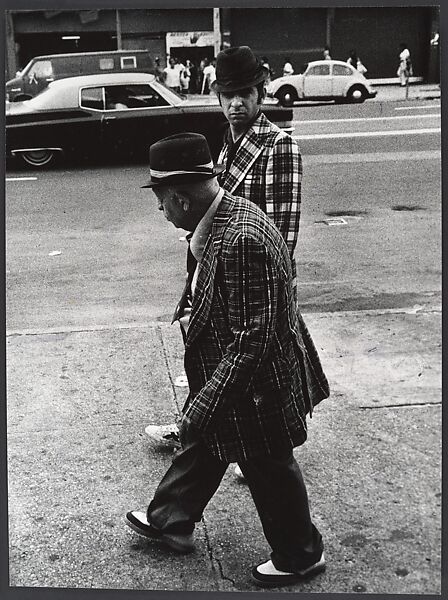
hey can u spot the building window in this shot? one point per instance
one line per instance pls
(128, 62)
(106, 64)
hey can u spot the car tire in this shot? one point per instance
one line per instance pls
(287, 95)
(356, 93)
(21, 98)
(38, 158)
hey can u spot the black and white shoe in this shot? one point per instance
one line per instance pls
(266, 575)
(164, 435)
(181, 543)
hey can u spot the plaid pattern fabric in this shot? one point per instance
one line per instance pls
(267, 170)
(252, 368)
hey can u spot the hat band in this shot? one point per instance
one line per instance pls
(197, 170)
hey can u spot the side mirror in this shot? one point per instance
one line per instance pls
(18, 73)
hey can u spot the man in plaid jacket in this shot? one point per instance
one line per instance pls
(252, 369)
(262, 163)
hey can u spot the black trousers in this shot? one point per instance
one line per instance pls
(276, 486)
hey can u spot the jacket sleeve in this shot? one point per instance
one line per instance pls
(251, 286)
(284, 188)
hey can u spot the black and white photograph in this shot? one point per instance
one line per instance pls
(223, 298)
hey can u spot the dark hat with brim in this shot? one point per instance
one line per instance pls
(236, 69)
(181, 158)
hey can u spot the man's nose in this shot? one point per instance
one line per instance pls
(236, 100)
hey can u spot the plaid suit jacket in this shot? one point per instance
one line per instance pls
(267, 169)
(252, 368)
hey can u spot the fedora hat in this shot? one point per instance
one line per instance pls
(237, 68)
(181, 158)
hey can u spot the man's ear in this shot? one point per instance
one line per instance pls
(262, 96)
(185, 203)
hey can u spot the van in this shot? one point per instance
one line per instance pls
(41, 70)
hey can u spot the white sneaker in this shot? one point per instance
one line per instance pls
(266, 575)
(167, 435)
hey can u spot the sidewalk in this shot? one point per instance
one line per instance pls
(78, 402)
(417, 91)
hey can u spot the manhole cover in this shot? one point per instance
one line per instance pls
(333, 221)
(345, 213)
(402, 207)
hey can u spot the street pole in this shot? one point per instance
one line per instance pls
(217, 30)
(118, 27)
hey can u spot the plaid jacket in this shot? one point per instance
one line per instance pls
(252, 368)
(267, 169)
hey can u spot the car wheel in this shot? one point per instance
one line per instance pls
(38, 158)
(21, 98)
(356, 94)
(287, 95)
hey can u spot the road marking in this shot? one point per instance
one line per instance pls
(356, 120)
(309, 159)
(21, 178)
(416, 107)
(329, 136)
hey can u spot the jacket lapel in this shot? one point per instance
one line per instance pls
(205, 284)
(250, 148)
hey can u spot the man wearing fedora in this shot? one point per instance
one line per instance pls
(252, 370)
(262, 162)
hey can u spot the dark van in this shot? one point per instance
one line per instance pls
(42, 69)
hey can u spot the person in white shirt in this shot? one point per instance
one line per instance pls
(172, 75)
(405, 66)
(288, 68)
(209, 77)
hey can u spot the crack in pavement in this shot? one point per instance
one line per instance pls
(213, 559)
(165, 357)
(404, 405)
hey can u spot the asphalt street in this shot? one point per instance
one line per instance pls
(93, 272)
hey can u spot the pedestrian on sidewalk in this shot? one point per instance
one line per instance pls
(404, 71)
(288, 69)
(172, 75)
(262, 163)
(356, 62)
(209, 74)
(252, 368)
(326, 53)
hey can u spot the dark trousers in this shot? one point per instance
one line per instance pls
(276, 486)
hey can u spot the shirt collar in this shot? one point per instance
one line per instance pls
(203, 228)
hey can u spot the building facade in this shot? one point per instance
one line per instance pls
(297, 34)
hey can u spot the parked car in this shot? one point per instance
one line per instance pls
(41, 70)
(322, 80)
(119, 114)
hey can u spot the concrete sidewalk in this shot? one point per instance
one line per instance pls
(78, 402)
(417, 91)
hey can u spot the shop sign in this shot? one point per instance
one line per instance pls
(182, 39)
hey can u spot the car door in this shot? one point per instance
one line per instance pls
(134, 117)
(317, 81)
(341, 75)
